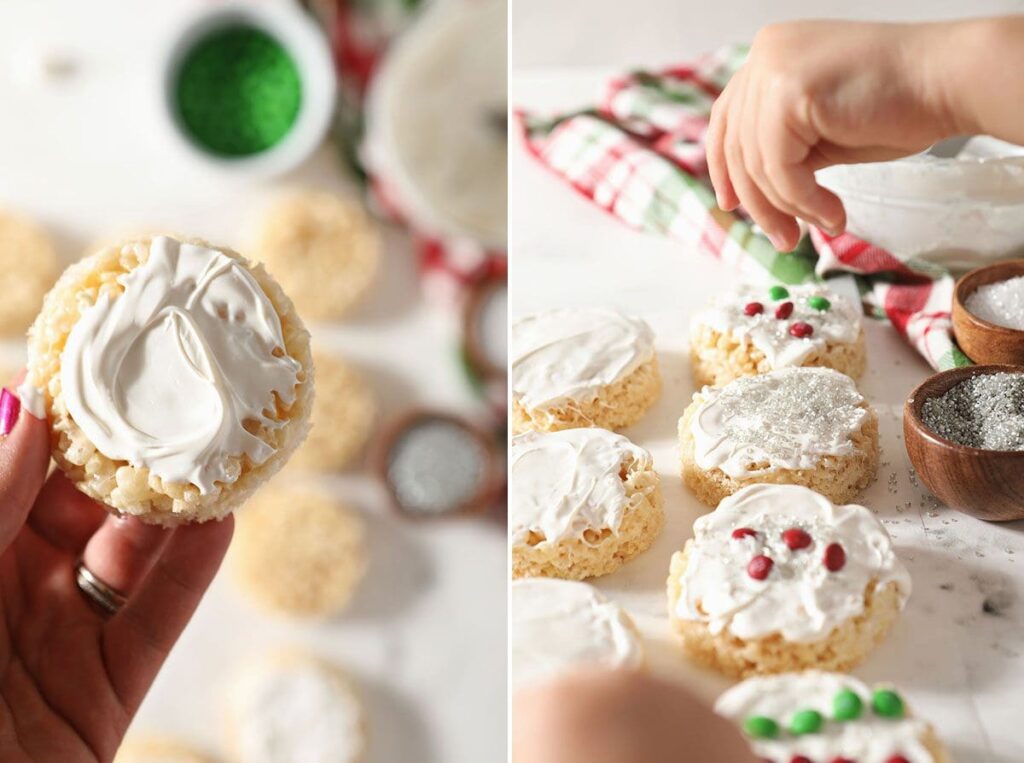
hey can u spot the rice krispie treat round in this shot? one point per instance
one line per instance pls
(581, 368)
(28, 261)
(176, 377)
(294, 707)
(323, 249)
(582, 502)
(800, 426)
(158, 749)
(828, 717)
(778, 578)
(298, 552)
(557, 625)
(756, 329)
(343, 416)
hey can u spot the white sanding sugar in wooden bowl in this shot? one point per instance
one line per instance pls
(1001, 303)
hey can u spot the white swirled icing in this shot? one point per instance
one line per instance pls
(172, 373)
(868, 739)
(296, 712)
(800, 599)
(557, 625)
(571, 354)
(565, 483)
(841, 323)
(785, 419)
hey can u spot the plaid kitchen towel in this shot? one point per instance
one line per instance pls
(640, 156)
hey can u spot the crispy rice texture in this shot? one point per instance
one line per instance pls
(840, 651)
(839, 478)
(718, 358)
(618, 405)
(132, 490)
(601, 550)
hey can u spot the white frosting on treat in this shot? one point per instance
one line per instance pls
(839, 324)
(786, 419)
(565, 483)
(800, 598)
(32, 399)
(295, 712)
(557, 625)
(169, 374)
(869, 738)
(571, 354)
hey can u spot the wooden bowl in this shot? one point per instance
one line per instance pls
(988, 484)
(981, 341)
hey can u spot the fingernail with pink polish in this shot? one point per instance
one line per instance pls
(10, 407)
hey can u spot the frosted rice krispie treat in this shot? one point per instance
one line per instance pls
(778, 578)
(289, 706)
(581, 368)
(582, 502)
(800, 426)
(176, 378)
(559, 625)
(828, 717)
(28, 261)
(756, 329)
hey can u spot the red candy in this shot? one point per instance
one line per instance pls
(835, 557)
(743, 532)
(753, 308)
(896, 759)
(796, 538)
(842, 760)
(800, 759)
(784, 310)
(759, 567)
(801, 330)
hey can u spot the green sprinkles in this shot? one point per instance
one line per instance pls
(806, 722)
(847, 705)
(238, 91)
(778, 292)
(761, 727)
(819, 303)
(887, 703)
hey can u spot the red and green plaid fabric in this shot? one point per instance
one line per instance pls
(640, 156)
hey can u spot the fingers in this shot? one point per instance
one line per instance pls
(137, 639)
(24, 455)
(65, 517)
(123, 551)
(714, 142)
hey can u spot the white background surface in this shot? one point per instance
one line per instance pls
(425, 637)
(961, 668)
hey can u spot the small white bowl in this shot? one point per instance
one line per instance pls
(306, 44)
(957, 205)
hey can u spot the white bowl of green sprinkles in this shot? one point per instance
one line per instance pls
(249, 87)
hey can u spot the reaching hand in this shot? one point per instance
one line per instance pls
(72, 676)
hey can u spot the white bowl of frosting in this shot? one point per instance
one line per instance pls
(959, 204)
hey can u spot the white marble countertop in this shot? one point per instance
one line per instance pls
(961, 667)
(424, 638)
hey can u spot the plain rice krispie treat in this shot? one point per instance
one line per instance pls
(297, 551)
(581, 368)
(343, 417)
(582, 502)
(323, 249)
(176, 377)
(560, 625)
(147, 748)
(756, 329)
(800, 426)
(778, 578)
(289, 706)
(828, 717)
(28, 261)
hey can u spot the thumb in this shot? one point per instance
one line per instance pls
(24, 456)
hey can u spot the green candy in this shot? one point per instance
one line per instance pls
(806, 722)
(847, 705)
(778, 292)
(761, 727)
(819, 303)
(887, 703)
